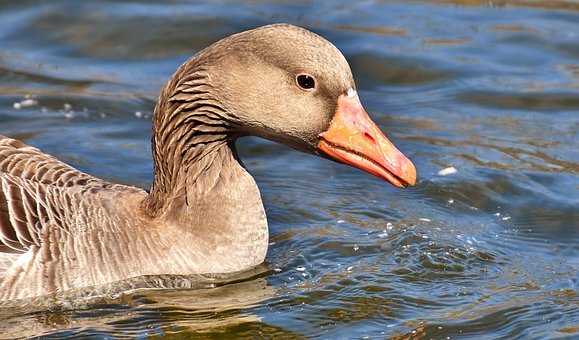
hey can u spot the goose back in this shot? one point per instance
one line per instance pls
(37, 190)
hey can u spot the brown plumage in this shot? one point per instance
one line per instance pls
(61, 228)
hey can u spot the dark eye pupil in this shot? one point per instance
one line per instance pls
(306, 82)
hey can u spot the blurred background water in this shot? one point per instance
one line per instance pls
(488, 87)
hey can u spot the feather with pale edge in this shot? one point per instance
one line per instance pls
(35, 189)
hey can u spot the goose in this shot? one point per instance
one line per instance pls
(63, 229)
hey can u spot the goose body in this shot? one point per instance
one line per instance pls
(61, 228)
(64, 229)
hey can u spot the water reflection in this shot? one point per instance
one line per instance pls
(126, 310)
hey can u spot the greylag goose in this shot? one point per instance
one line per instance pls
(63, 229)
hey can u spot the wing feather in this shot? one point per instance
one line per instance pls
(34, 193)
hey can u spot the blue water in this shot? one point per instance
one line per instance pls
(491, 89)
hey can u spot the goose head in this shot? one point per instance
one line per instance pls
(291, 86)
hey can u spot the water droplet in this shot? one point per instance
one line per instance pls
(447, 171)
(28, 103)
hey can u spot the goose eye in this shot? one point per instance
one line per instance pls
(306, 82)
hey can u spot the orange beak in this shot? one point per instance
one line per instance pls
(354, 139)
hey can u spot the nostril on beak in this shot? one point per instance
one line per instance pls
(370, 138)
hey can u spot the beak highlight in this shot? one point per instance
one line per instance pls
(354, 139)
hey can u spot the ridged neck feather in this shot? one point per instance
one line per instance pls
(192, 132)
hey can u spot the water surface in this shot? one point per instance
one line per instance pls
(491, 89)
